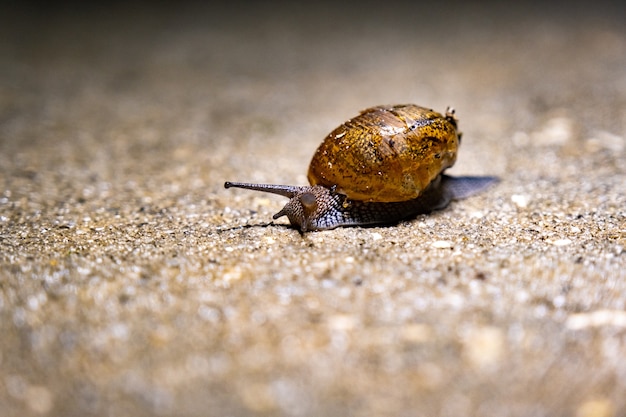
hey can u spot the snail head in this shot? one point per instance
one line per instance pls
(306, 204)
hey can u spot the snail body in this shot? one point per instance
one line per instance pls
(379, 167)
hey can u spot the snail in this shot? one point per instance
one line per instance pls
(380, 167)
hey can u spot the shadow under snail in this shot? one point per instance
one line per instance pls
(380, 167)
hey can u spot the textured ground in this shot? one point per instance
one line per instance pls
(132, 283)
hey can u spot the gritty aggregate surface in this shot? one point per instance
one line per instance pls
(132, 283)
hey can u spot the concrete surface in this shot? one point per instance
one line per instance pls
(133, 284)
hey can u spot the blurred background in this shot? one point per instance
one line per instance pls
(127, 288)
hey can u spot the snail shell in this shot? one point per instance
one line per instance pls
(380, 167)
(386, 153)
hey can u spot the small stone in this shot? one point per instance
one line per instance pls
(520, 200)
(561, 242)
(605, 140)
(342, 322)
(559, 301)
(442, 244)
(233, 274)
(597, 318)
(556, 131)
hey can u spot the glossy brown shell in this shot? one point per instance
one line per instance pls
(386, 154)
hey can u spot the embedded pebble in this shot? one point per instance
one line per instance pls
(442, 244)
(342, 322)
(605, 140)
(520, 200)
(232, 274)
(561, 242)
(556, 131)
(597, 318)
